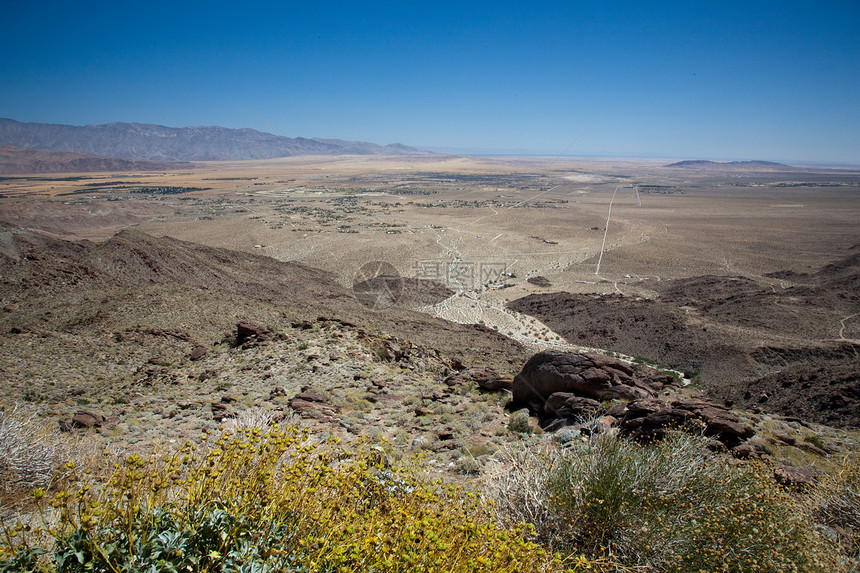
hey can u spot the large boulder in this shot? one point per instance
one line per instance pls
(565, 389)
(248, 333)
(565, 404)
(593, 376)
(309, 403)
(83, 419)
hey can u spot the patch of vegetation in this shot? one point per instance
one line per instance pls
(519, 423)
(29, 454)
(268, 501)
(835, 504)
(669, 506)
(691, 375)
(816, 441)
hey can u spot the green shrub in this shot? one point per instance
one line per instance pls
(668, 506)
(519, 423)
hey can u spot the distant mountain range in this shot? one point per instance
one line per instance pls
(703, 164)
(20, 161)
(146, 142)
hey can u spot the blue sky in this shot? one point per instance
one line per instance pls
(716, 80)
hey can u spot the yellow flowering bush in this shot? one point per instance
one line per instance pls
(265, 501)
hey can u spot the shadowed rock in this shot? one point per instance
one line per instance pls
(652, 418)
(592, 376)
(249, 333)
(487, 379)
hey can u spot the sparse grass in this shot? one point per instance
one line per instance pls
(32, 455)
(835, 504)
(268, 501)
(249, 419)
(669, 506)
(29, 452)
(479, 450)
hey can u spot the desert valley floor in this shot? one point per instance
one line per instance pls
(745, 280)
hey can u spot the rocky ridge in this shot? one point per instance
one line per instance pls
(15, 160)
(791, 347)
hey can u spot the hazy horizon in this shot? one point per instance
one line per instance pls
(769, 81)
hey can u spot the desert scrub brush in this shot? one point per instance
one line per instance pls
(271, 500)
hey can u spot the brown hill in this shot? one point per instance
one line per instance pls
(782, 348)
(15, 160)
(55, 284)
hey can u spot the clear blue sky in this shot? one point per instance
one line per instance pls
(718, 80)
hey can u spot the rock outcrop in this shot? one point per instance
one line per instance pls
(248, 333)
(592, 376)
(564, 389)
(309, 403)
(84, 419)
(650, 419)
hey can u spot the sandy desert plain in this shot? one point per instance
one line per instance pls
(741, 278)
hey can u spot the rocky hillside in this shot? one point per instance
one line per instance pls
(791, 347)
(42, 275)
(139, 342)
(147, 142)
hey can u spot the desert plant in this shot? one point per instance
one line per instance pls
(835, 504)
(668, 506)
(269, 501)
(249, 419)
(519, 423)
(29, 452)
